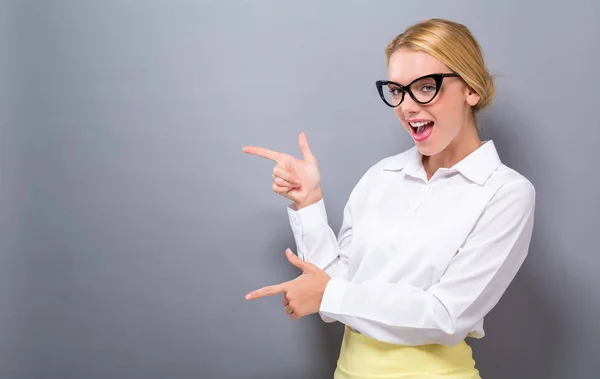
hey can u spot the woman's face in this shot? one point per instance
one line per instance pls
(447, 118)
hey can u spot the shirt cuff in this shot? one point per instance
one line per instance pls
(335, 292)
(305, 220)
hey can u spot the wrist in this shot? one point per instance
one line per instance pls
(315, 198)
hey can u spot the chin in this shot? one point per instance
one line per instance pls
(429, 149)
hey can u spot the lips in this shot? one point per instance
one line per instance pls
(421, 129)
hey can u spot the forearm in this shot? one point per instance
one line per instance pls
(315, 240)
(391, 312)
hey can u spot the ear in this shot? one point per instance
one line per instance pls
(472, 97)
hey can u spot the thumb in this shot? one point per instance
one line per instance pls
(303, 142)
(293, 258)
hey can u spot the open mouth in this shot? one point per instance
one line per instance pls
(421, 130)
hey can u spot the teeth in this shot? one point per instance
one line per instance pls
(420, 123)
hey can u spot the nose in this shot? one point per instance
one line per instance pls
(409, 107)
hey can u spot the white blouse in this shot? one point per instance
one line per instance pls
(420, 261)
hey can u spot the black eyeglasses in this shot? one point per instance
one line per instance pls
(422, 90)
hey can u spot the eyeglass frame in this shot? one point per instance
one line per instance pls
(438, 77)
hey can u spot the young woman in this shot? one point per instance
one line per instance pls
(431, 238)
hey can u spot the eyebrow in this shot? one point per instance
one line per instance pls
(451, 73)
(408, 81)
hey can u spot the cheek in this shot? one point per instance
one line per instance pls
(399, 114)
(453, 104)
(447, 110)
(441, 112)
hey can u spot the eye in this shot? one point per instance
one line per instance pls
(428, 88)
(396, 91)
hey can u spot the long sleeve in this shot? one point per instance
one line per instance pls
(316, 242)
(471, 286)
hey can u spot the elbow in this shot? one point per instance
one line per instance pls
(448, 328)
(440, 330)
(447, 332)
(448, 336)
(326, 318)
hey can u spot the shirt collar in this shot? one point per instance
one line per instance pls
(409, 161)
(477, 166)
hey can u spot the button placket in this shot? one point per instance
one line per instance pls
(422, 198)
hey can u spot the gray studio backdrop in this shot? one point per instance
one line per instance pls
(132, 224)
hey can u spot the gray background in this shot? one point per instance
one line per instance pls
(131, 223)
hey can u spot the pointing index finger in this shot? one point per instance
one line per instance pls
(263, 152)
(266, 291)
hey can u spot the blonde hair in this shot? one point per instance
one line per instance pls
(452, 44)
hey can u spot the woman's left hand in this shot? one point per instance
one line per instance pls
(303, 295)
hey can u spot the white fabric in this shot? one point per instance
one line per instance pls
(419, 261)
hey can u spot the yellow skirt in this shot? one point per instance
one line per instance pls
(362, 357)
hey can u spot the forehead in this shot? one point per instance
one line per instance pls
(406, 65)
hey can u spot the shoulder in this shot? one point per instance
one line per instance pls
(512, 188)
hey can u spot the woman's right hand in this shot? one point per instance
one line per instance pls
(298, 180)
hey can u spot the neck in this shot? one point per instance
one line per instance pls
(464, 144)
